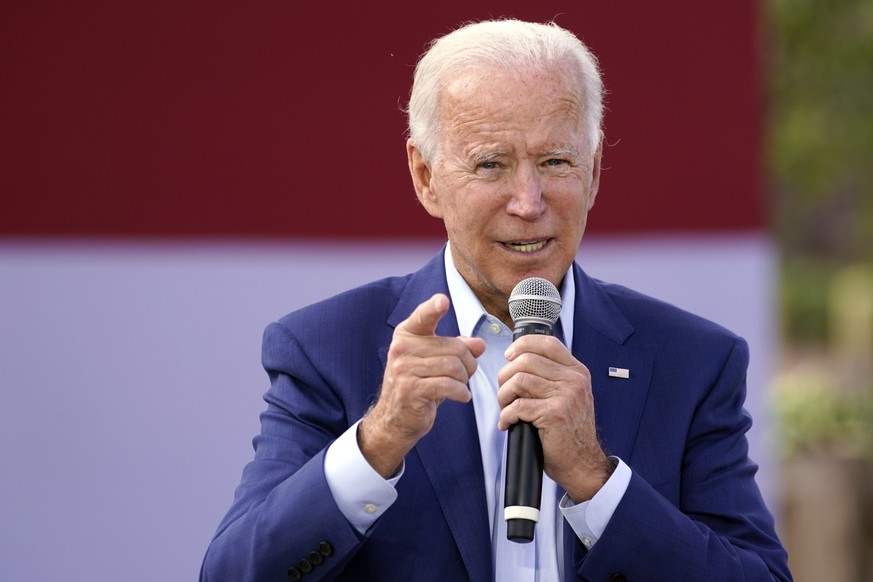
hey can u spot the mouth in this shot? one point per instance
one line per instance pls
(526, 246)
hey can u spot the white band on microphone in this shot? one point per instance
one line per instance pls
(521, 512)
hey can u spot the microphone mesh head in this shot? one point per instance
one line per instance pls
(535, 298)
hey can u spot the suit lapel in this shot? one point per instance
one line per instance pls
(449, 453)
(599, 336)
(600, 331)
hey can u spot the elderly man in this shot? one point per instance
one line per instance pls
(381, 453)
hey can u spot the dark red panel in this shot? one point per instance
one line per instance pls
(270, 119)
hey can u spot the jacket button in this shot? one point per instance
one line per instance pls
(618, 577)
(305, 566)
(315, 558)
(325, 549)
(294, 573)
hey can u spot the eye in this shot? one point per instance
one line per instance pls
(556, 162)
(489, 165)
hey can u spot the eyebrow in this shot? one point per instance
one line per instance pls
(562, 152)
(479, 157)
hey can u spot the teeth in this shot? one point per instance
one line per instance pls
(527, 247)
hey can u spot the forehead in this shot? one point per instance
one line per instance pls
(541, 102)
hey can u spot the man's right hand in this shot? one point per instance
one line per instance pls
(423, 370)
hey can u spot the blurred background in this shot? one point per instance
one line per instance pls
(176, 175)
(819, 141)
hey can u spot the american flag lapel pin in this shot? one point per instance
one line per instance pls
(619, 372)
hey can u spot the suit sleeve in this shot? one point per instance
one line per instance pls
(283, 515)
(720, 528)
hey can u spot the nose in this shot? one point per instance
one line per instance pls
(526, 196)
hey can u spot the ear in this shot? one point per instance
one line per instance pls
(422, 177)
(595, 175)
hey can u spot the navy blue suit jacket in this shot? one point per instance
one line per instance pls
(692, 510)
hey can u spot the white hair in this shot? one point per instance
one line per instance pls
(505, 44)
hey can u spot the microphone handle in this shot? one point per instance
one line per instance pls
(524, 466)
(524, 481)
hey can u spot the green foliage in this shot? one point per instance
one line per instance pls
(803, 300)
(820, 148)
(821, 135)
(815, 412)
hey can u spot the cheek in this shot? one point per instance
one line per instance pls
(459, 226)
(573, 213)
(471, 207)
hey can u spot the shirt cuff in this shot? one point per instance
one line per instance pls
(590, 518)
(361, 494)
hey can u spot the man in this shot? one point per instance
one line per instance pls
(381, 450)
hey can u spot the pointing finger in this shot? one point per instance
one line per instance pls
(426, 316)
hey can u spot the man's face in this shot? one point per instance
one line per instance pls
(513, 180)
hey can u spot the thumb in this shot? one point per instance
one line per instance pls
(424, 319)
(474, 344)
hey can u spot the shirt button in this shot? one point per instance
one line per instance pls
(370, 508)
(586, 541)
(495, 329)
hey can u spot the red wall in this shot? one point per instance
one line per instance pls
(280, 118)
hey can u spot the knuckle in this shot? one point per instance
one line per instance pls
(581, 380)
(526, 383)
(459, 348)
(521, 409)
(470, 367)
(459, 370)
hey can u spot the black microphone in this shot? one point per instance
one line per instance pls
(534, 306)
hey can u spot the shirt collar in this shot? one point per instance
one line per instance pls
(469, 310)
